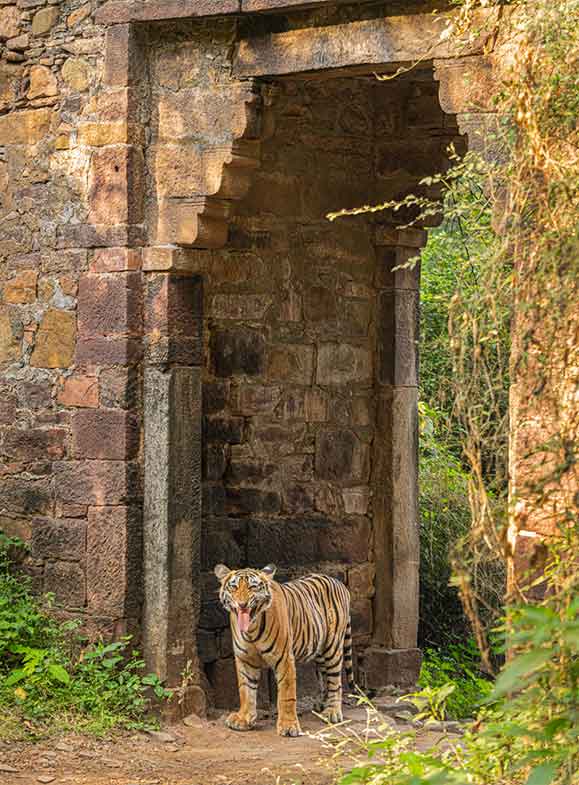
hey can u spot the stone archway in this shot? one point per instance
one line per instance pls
(203, 144)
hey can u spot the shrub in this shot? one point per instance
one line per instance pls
(50, 680)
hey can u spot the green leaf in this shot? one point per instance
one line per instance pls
(59, 673)
(15, 677)
(511, 676)
(543, 774)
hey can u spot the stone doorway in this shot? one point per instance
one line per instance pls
(308, 360)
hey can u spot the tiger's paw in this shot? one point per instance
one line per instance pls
(236, 721)
(333, 714)
(291, 728)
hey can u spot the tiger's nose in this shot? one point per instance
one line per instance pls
(242, 606)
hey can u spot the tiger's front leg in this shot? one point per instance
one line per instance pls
(248, 682)
(287, 718)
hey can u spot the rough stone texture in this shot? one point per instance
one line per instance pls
(172, 518)
(114, 585)
(163, 220)
(390, 666)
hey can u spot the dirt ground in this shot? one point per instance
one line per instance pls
(201, 753)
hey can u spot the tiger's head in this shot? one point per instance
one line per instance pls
(245, 592)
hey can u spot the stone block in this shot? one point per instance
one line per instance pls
(467, 84)
(361, 581)
(214, 462)
(32, 444)
(118, 11)
(66, 580)
(116, 185)
(397, 268)
(9, 22)
(7, 407)
(173, 305)
(356, 319)
(224, 114)
(224, 430)
(361, 615)
(215, 397)
(341, 363)
(25, 495)
(341, 456)
(223, 540)
(42, 83)
(109, 304)
(105, 350)
(97, 483)
(307, 540)
(101, 134)
(298, 499)
(277, 440)
(291, 363)
(10, 337)
(250, 501)
(159, 258)
(116, 260)
(383, 667)
(251, 399)
(320, 304)
(119, 387)
(35, 396)
(297, 467)
(104, 434)
(240, 306)
(356, 500)
(223, 680)
(237, 352)
(58, 539)
(27, 127)
(80, 390)
(207, 645)
(21, 289)
(113, 576)
(44, 20)
(398, 338)
(55, 340)
(76, 73)
(122, 56)
(249, 471)
(79, 15)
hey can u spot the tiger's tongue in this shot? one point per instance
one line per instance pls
(243, 620)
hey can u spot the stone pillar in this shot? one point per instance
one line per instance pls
(394, 658)
(172, 503)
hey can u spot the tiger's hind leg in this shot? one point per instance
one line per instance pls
(333, 671)
(320, 705)
(248, 681)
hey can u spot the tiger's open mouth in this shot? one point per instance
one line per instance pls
(244, 617)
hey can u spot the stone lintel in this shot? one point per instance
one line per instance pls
(376, 42)
(122, 11)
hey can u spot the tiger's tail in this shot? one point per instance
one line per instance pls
(348, 664)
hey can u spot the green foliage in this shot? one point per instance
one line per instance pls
(49, 682)
(459, 666)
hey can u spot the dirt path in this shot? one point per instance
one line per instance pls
(206, 753)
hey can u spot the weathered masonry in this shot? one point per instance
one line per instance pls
(196, 366)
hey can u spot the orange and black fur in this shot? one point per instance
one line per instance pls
(276, 625)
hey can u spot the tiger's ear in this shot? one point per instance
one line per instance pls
(269, 571)
(221, 571)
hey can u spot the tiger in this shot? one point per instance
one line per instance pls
(274, 626)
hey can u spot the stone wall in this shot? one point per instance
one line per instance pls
(70, 436)
(162, 225)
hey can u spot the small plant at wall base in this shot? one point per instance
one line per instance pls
(50, 681)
